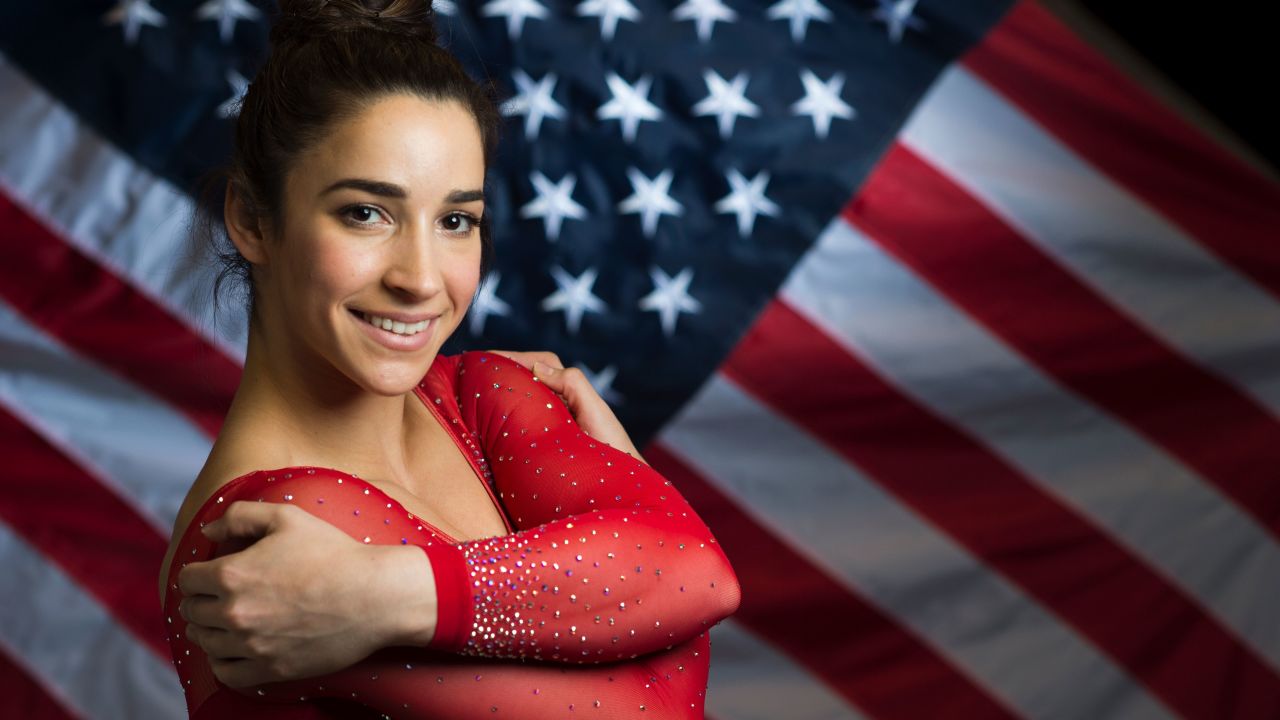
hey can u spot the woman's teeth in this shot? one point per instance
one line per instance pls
(398, 328)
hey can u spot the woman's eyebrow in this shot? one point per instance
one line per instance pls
(373, 187)
(386, 189)
(464, 196)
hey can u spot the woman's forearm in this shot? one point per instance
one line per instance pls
(413, 683)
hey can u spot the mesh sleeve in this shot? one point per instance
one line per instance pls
(414, 682)
(610, 561)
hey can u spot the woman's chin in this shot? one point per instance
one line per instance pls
(393, 382)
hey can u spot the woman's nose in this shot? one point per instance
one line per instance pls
(414, 270)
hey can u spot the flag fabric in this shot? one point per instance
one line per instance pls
(963, 344)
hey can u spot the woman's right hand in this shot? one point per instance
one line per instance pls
(302, 599)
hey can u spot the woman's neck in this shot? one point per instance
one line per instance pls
(294, 411)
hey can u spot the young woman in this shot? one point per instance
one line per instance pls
(380, 529)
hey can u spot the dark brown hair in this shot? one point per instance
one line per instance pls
(329, 60)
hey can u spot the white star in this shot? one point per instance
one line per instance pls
(630, 104)
(602, 382)
(516, 12)
(133, 14)
(649, 198)
(896, 15)
(574, 296)
(554, 203)
(800, 12)
(670, 297)
(822, 101)
(726, 100)
(227, 12)
(445, 7)
(609, 12)
(747, 200)
(487, 303)
(534, 101)
(704, 13)
(239, 86)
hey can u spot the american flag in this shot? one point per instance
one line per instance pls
(961, 341)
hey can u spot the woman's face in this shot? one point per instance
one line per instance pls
(381, 225)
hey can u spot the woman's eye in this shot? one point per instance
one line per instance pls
(460, 223)
(360, 214)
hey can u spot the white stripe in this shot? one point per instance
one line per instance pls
(136, 445)
(749, 680)
(93, 196)
(1179, 525)
(75, 648)
(1100, 231)
(846, 524)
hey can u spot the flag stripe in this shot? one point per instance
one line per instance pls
(89, 309)
(865, 655)
(75, 521)
(94, 666)
(750, 679)
(24, 695)
(863, 298)
(1057, 556)
(1100, 231)
(1052, 318)
(114, 430)
(95, 197)
(1104, 116)
(846, 523)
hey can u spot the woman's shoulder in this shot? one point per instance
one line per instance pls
(224, 481)
(230, 480)
(472, 372)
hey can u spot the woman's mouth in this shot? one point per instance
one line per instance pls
(399, 328)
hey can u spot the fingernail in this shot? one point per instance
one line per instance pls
(540, 368)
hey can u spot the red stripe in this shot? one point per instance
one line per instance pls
(1010, 286)
(861, 653)
(24, 696)
(73, 520)
(1078, 96)
(1057, 556)
(91, 310)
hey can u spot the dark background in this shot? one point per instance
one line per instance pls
(1221, 54)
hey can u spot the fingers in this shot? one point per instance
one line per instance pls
(570, 383)
(217, 643)
(201, 578)
(238, 672)
(244, 519)
(203, 610)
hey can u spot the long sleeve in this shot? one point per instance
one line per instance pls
(407, 682)
(608, 565)
(610, 561)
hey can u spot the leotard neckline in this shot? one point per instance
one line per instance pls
(420, 392)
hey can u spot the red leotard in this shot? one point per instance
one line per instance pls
(598, 602)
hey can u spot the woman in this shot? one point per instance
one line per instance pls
(436, 535)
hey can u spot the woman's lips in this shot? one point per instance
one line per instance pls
(394, 340)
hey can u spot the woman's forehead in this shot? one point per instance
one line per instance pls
(419, 145)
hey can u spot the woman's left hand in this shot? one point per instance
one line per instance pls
(589, 409)
(303, 599)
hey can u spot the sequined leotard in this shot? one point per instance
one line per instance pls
(598, 602)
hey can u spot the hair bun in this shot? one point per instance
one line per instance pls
(308, 18)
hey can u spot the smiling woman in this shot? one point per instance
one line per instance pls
(380, 528)
(400, 243)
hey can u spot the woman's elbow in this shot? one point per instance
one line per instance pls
(728, 592)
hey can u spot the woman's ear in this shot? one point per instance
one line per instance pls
(243, 228)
